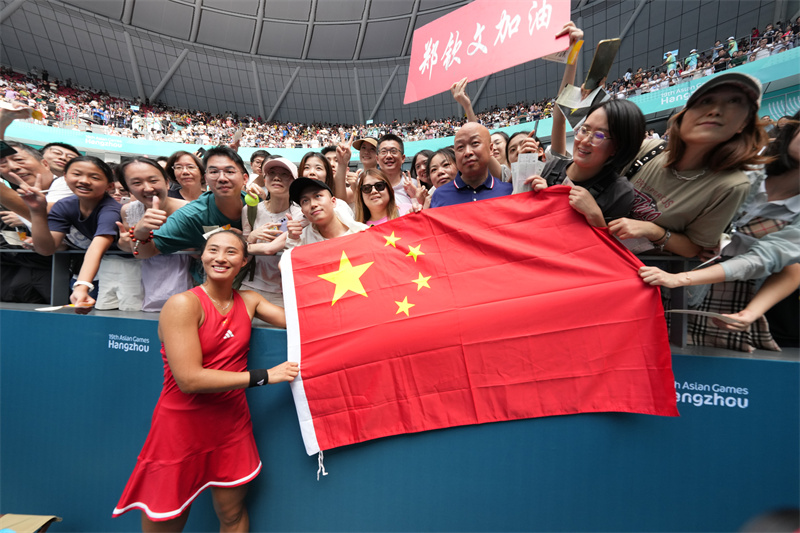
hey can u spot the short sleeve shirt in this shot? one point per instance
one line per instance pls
(701, 208)
(186, 226)
(458, 192)
(66, 215)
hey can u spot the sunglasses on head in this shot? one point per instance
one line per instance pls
(379, 186)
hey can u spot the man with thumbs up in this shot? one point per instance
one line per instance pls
(220, 206)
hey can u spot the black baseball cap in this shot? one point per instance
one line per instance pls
(299, 186)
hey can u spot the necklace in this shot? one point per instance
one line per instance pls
(216, 302)
(688, 178)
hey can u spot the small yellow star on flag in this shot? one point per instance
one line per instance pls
(391, 239)
(347, 278)
(414, 251)
(421, 281)
(404, 306)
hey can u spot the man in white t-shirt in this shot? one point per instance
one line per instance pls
(318, 204)
(390, 160)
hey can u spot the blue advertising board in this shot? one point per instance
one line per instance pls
(77, 394)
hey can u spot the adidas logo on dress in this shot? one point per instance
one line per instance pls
(228, 335)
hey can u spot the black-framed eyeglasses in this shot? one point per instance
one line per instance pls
(380, 186)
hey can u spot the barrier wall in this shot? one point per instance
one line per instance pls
(77, 393)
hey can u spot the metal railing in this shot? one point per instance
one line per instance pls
(60, 291)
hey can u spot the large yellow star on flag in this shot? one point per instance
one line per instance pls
(421, 281)
(347, 278)
(391, 239)
(404, 306)
(414, 251)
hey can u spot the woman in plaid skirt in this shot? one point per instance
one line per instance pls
(765, 242)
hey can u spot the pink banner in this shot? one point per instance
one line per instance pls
(481, 38)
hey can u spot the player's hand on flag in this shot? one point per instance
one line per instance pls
(286, 371)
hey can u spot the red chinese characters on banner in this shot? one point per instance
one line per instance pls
(482, 312)
(481, 38)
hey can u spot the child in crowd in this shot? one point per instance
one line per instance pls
(162, 275)
(89, 217)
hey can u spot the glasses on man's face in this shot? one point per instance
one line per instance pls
(596, 138)
(181, 168)
(387, 151)
(380, 186)
(229, 172)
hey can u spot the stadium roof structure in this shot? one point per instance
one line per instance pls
(334, 61)
(288, 29)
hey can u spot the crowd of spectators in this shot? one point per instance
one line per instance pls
(66, 104)
(733, 52)
(679, 197)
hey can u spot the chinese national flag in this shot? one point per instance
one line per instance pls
(482, 312)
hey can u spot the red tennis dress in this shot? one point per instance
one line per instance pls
(197, 440)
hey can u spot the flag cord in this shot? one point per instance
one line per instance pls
(321, 466)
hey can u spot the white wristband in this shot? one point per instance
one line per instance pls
(85, 284)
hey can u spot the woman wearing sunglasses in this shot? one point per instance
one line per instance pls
(606, 142)
(375, 204)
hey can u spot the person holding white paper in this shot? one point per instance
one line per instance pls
(604, 144)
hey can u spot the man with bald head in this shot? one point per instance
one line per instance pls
(473, 182)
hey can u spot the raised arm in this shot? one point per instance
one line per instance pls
(343, 154)
(459, 92)
(12, 201)
(777, 287)
(558, 136)
(45, 242)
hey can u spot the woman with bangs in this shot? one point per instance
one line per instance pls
(316, 166)
(201, 432)
(187, 172)
(499, 143)
(162, 275)
(375, 203)
(441, 170)
(419, 168)
(604, 144)
(688, 190)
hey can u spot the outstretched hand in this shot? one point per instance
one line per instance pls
(459, 92)
(655, 276)
(32, 196)
(574, 32)
(16, 112)
(343, 152)
(744, 318)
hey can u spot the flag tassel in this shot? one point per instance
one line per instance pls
(321, 466)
